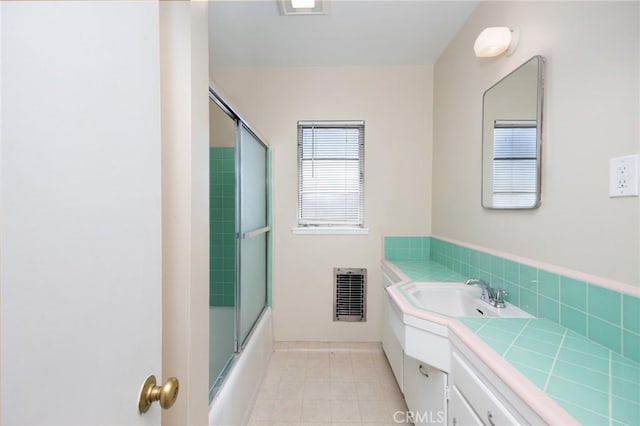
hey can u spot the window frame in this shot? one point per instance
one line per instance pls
(312, 224)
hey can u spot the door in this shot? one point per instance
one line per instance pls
(425, 392)
(81, 224)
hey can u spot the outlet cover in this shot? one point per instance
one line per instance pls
(623, 176)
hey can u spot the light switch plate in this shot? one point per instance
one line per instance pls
(623, 176)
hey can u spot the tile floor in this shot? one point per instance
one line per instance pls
(320, 384)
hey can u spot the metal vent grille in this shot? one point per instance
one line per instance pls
(350, 299)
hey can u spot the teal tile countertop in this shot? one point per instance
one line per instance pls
(594, 384)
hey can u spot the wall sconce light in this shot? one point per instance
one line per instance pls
(494, 41)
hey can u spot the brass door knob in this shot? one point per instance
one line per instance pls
(165, 394)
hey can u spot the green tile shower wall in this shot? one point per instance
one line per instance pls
(604, 316)
(222, 227)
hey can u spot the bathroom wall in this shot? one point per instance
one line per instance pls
(396, 104)
(591, 114)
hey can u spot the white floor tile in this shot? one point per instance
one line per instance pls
(294, 374)
(369, 391)
(262, 410)
(316, 410)
(345, 411)
(344, 391)
(290, 390)
(286, 410)
(321, 373)
(328, 384)
(342, 374)
(317, 390)
(375, 412)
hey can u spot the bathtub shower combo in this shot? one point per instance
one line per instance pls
(238, 238)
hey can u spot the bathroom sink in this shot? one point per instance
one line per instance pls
(458, 300)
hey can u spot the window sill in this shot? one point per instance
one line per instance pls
(329, 230)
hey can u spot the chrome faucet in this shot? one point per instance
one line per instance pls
(493, 296)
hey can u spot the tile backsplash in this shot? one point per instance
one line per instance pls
(605, 316)
(407, 248)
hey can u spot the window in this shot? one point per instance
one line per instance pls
(331, 174)
(514, 163)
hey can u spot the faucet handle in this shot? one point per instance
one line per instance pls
(499, 296)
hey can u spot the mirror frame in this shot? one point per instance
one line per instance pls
(539, 104)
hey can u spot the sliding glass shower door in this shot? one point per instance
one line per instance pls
(253, 231)
(239, 235)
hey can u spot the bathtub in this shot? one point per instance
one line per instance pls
(235, 398)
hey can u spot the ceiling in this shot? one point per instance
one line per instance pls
(352, 33)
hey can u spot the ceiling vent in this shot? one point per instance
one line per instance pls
(309, 7)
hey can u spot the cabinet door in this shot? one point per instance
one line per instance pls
(483, 400)
(460, 412)
(390, 343)
(424, 392)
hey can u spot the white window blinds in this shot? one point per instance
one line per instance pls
(331, 173)
(514, 163)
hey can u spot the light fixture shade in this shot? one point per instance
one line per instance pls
(303, 7)
(494, 41)
(303, 4)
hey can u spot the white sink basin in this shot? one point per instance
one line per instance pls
(458, 300)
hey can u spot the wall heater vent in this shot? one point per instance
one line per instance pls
(350, 298)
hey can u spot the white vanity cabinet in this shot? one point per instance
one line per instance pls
(447, 376)
(425, 389)
(478, 397)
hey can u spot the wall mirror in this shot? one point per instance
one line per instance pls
(511, 139)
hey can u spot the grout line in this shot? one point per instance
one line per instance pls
(516, 338)
(564, 401)
(483, 326)
(610, 389)
(575, 382)
(587, 313)
(555, 359)
(517, 363)
(630, 401)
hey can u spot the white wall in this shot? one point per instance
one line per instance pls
(591, 114)
(185, 207)
(396, 104)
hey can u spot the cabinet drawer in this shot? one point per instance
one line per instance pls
(460, 412)
(483, 401)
